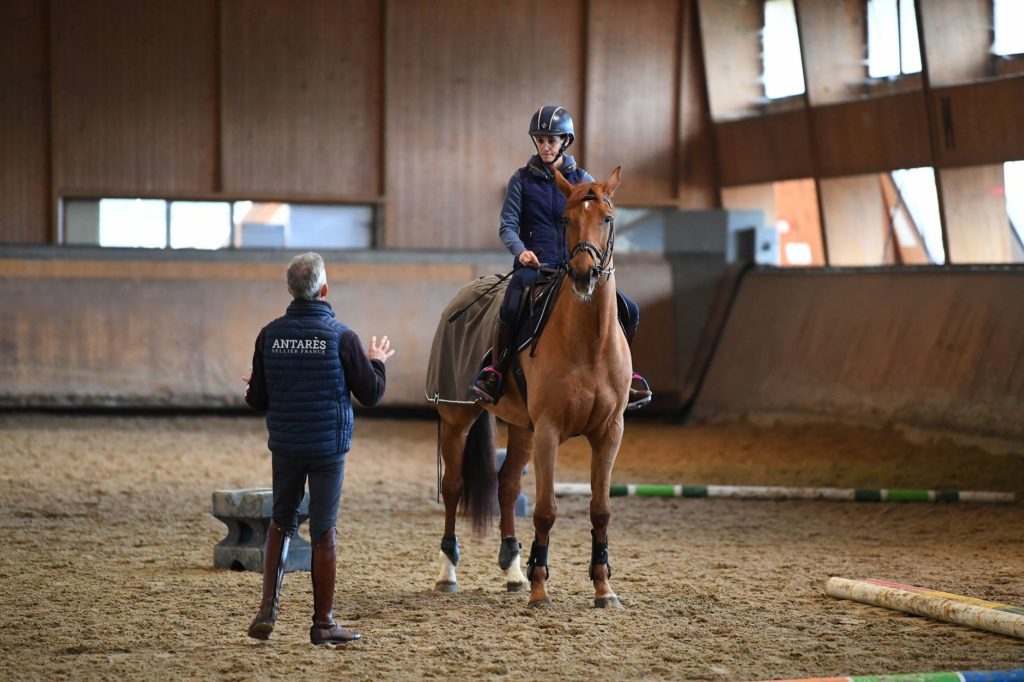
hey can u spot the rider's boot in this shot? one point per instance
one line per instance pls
(323, 570)
(487, 384)
(641, 395)
(275, 555)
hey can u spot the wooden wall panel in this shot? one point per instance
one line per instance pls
(135, 88)
(182, 329)
(872, 135)
(631, 95)
(974, 203)
(697, 179)
(770, 147)
(833, 39)
(461, 86)
(731, 34)
(24, 123)
(941, 348)
(301, 92)
(979, 123)
(855, 224)
(796, 204)
(759, 197)
(957, 38)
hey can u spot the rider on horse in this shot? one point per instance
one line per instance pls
(532, 229)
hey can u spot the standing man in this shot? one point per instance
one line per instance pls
(305, 367)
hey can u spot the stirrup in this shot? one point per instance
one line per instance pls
(484, 377)
(643, 396)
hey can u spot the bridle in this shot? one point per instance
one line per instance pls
(600, 257)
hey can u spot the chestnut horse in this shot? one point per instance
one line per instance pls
(577, 383)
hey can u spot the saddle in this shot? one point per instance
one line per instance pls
(462, 341)
(534, 311)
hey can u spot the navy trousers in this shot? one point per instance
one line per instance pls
(325, 475)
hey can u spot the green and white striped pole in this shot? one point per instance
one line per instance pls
(761, 492)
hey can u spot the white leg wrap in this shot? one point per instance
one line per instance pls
(447, 574)
(514, 573)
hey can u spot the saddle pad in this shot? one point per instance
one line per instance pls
(460, 347)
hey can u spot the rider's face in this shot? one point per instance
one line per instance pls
(548, 146)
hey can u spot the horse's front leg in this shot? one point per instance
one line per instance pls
(604, 448)
(545, 444)
(454, 429)
(520, 449)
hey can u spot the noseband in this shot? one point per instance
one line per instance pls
(600, 257)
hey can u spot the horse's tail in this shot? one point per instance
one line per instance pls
(479, 478)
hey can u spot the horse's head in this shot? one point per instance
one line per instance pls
(589, 230)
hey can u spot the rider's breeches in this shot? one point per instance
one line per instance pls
(629, 313)
(325, 475)
(522, 277)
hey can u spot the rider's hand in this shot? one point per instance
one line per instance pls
(529, 259)
(380, 351)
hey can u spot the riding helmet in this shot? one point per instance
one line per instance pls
(553, 120)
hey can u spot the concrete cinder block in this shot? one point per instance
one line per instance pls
(247, 515)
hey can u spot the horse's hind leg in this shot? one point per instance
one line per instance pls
(455, 425)
(604, 447)
(520, 449)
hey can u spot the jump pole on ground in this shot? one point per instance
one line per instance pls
(762, 492)
(1003, 620)
(1015, 675)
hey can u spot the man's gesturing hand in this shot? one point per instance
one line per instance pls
(381, 351)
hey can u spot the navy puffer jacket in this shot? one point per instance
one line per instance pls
(309, 411)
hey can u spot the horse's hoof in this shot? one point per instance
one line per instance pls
(611, 602)
(515, 587)
(539, 603)
(446, 586)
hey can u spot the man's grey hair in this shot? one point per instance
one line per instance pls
(306, 276)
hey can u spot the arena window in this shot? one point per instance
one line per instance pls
(1013, 187)
(914, 219)
(783, 68)
(893, 46)
(1007, 20)
(212, 225)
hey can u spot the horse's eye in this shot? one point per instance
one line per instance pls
(607, 218)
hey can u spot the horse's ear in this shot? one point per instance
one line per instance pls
(563, 184)
(613, 181)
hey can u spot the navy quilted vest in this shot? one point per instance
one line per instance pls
(540, 222)
(309, 412)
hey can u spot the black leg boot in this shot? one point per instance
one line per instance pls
(275, 554)
(323, 572)
(487, 385)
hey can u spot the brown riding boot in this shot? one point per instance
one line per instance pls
(487, 384)
(275, 554)
(323, 571)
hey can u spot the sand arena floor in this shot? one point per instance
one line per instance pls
(105, 571)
